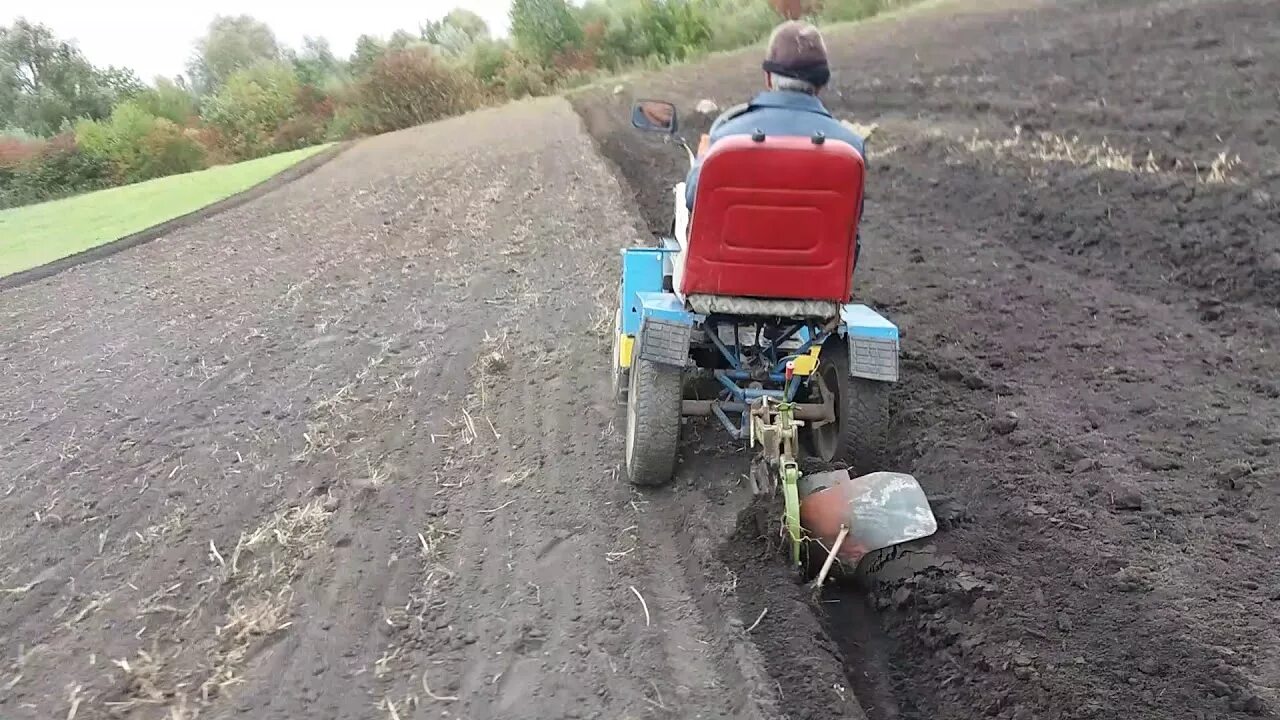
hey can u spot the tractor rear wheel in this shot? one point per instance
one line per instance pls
(653, 422)
(857, 437)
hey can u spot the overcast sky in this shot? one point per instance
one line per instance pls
(155, 37)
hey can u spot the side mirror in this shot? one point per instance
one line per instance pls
(654, 116)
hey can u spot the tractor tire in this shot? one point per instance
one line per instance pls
(653, 422)
(857, 438)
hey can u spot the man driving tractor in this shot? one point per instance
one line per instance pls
(796, 71)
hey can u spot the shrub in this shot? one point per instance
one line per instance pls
(313, 101)
(739, 24)
(213, 143)
(57, 168)
(16, 150)
(251, 106)
(411, 87)
(299, 132)
(486, 59)
(169, 101)
(522, 77)
(118, 141)
(672, 30)
(543, 28)
(846, 10)
(168, 150)
(348, 122)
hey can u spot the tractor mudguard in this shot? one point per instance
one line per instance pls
(873, 343)
(665, 342)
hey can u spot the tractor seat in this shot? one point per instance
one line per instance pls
(775, 219)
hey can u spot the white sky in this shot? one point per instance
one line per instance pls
(156, 37)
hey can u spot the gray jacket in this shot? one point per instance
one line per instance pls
(776, 112)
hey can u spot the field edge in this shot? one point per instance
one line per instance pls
(132, 240)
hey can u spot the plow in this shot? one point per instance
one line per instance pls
(745, 315)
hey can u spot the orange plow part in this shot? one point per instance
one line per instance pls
(880, 510)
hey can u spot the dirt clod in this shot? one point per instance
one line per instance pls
(1004, 424)
(1126, 495)
(1159, 462)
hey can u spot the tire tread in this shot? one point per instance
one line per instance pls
(657, 391)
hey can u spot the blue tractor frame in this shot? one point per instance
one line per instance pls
(785, 363)
(777, 379)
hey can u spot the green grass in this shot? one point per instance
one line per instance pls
(33, 235)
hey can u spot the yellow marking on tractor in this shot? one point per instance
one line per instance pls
(806, 364)
(625, 344)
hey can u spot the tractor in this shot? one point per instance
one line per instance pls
(752, 296)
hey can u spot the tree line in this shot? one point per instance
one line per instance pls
(68, 126)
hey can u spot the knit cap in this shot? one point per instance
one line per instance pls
(796, 50)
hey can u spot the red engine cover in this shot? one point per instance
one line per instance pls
(775, 219)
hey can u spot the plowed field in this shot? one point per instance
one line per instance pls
(348, 450)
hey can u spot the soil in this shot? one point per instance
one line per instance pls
(347, 450)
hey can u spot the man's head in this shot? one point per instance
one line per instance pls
(796, 59)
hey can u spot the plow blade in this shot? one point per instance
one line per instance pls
(880, 510)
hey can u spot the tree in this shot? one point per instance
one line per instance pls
(457, 32)
(368, 50)
(544, 28)
(673, 29)
(316, 63)
(45, 83)
(231, 44)
(402, 39)
(169, 100)
(468, 22)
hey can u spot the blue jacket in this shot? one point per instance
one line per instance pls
(775, 112)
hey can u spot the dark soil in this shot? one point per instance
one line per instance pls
(1109, 549)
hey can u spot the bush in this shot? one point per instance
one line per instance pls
(251, 106)
(486, 59)
(168, 150)
(522, 77)
(411, 87)
(57, 168)
(544, 28)
(16, 150)
(119, 140)
(738, 23)
(346, 124)
(314, 101)
(299, 132)
(846, 10)
(169, 101)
